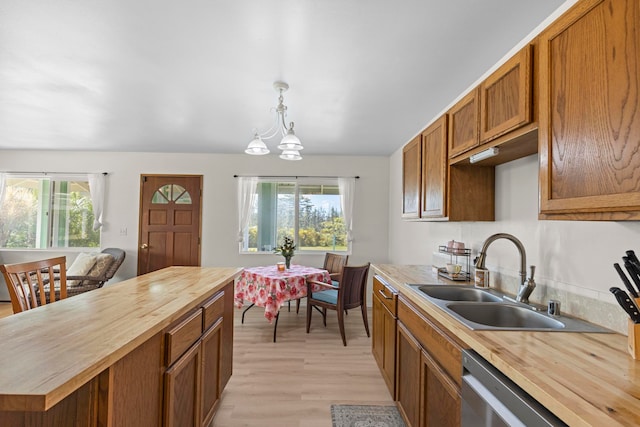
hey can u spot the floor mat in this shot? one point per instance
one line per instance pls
(365, 416)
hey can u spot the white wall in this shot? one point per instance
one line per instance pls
(219, 212)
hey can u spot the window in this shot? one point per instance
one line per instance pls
(308, 210)
(39, 212)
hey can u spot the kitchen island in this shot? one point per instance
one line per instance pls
(117, 356)
(585, 379)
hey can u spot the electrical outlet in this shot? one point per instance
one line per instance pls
(123, 231)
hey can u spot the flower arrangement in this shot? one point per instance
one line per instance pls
(286, 250)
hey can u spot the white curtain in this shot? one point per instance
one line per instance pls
(3, 186)
(246, 198)
(347, 191)
(97, 182)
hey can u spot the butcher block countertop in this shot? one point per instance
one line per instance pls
(586, 379)
(49, 352)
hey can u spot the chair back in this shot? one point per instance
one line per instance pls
(27, 279)
(333, 263)
(352, 292)
(118, 258)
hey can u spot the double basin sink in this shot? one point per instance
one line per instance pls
(481, 309)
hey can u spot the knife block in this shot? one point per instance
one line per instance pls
(634, 339)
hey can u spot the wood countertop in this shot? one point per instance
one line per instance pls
(586, 379)
(49, 352)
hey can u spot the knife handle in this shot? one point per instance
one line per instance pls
(625, 280)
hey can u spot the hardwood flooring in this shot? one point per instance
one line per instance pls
(294, 381)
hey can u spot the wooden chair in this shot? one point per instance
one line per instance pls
(333, 263)
(26, 279)
(350, 294)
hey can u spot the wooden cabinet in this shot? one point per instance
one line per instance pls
(463, 124)
(182, 390)
(411, 179)
(505, 97)
(434, 170)
(435, 190)
(428, 370)
(197, 368)
(589, 134)
(383, 342)
(408, 395)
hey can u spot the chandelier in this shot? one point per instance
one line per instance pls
(289, 144)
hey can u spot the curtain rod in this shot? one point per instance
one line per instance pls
(294, 176)
(51, 173)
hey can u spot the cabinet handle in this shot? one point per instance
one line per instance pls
(144, 246)
(380, 291)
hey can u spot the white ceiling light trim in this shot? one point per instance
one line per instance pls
(290, 144)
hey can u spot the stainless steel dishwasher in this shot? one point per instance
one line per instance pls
(491, 399)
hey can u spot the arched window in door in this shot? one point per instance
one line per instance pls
(171, 193)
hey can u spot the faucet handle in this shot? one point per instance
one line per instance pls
(533, 271)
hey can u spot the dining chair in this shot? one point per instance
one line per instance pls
(350, 294)
(25, 280)
(333, 263)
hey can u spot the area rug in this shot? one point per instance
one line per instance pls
(365, 416)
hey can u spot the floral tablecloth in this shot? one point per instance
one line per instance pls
(269, 288)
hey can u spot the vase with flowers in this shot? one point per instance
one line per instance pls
(286, 250)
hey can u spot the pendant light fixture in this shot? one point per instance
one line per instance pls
(290, 144)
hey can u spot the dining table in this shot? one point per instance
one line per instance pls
(270, 287)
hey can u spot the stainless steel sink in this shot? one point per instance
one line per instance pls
(487, 309)
(505, 316)
(458, 293)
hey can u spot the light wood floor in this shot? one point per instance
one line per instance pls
(294, 381)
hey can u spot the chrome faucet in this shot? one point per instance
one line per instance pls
(526, 285)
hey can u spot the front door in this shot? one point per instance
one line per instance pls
(170, 216)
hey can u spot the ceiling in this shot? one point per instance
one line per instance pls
(365, 76)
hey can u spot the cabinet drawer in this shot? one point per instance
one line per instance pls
(182, 336)
(386, 294)
(213, 309)
(443, 349)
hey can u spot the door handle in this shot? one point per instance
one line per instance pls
(144, 246)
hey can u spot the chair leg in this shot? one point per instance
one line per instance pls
(309, 308)
(364, 318)
(341, 325)
(298, 306)
(324, 316)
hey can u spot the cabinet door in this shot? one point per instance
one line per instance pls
(182, 390)
(211, 362)
(589, 135)
(434, 169)
(441, 400)
(384, 342)
(408, 362)
(463, 124)
(411, 164)
(505, 97)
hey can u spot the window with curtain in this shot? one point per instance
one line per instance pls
(48, 211)
(309, 210)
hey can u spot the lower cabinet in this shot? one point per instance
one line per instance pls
(428, 371)
(383, 342)
(195, 377)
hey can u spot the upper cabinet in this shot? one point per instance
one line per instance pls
(434, 170)
(463, 124)
(411, 165)
(589, 115)
(505, 97)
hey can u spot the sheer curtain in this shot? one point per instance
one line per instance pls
(246, 197)
(347, 190)
(97, 182)
(3, 186)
